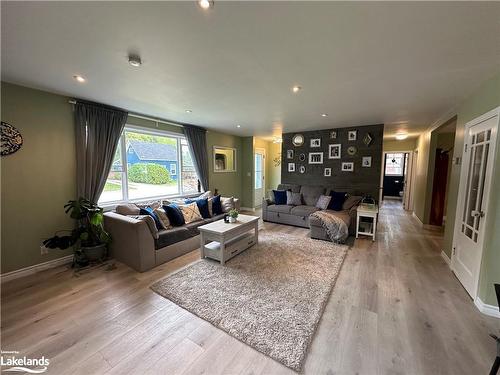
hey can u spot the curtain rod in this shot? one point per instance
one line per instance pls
(144, 117)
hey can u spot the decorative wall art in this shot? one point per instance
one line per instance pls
(334, 151)
(352, 150)
(298, 140)
(333, 134)
(315, 158)
(289, 154)
(302, 157)
(327, 172)
(352, 135)
(302, 169)
(315, 143)
(277, 160)
(291, 167)
(367, 162)
(12, 140)
(347, 167)
(368, 139)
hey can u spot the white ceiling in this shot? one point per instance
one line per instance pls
(402, 64)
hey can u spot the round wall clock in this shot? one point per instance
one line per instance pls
(298, 140)
(12, 139)
(351, 150)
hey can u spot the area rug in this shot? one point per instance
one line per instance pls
(270, 297)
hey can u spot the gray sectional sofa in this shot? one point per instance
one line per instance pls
(300, 215)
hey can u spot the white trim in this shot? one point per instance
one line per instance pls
(441, 120)
(416, 217)
(35, 268)
(446, 258)
(486, 309)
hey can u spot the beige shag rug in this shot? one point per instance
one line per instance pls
(270, 297)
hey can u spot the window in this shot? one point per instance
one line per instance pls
(394, 164)
(146, 165)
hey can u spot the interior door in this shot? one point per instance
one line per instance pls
(475, 179)
(259, 185)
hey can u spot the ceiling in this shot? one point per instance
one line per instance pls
(402, 64)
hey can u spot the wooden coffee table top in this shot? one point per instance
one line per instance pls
(221, 227)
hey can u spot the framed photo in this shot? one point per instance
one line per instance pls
(315, 142)
(302, 157)
(352, 135)
(291, 167)
(366, 162)
(315, 158)
(334, 151)
(289, 154)
(347, 167)
(333, 134)
(328, 172)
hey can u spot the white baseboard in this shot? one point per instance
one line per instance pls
(489, 310)
(35, 268)
(416, 217)
(446, 258)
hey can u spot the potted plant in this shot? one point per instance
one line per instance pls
(89, 238)
(233, 215)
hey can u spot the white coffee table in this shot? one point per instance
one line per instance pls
(228, 239)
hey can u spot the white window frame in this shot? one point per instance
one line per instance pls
(123, 143)
(172, 168)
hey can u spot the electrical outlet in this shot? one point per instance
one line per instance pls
(43, 250)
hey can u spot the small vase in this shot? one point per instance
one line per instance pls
(232, 219)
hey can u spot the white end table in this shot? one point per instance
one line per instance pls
(368, 228)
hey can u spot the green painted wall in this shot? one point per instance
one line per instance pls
(38, 179)
(484, 100)
(404, 145)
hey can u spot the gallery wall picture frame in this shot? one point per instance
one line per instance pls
(335, 151)
(366, 162)
(289, 154)
(347, 167)
(327, 172)
(315, 158)
(333, 134)
(302, 157)
(352, 135)
(315, 142)
(302, 169)
(291, 167)
(298, 140)
(368, 139)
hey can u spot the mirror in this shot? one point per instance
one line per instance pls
(224, 159)
(298, 140)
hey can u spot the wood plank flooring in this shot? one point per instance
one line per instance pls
(396, 309)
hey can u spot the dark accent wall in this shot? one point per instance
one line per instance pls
(360, 182)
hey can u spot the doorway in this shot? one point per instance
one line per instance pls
(260, 171)
(473, 195)
(395, 172)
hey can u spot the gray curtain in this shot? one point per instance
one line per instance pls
(98, 129)
(197, 140)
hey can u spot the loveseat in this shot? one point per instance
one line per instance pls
(134, 244)
(299, 215)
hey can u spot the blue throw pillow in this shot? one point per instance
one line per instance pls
(217, 206)
(149, 211)
(279, 196)
(338, 199)
(202, 206)
(174, 215)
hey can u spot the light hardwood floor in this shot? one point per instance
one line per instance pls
(396, 309)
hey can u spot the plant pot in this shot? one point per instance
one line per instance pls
(232, 219)
(94, 253)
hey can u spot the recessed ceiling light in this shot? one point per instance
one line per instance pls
(188, 111)
(296, 89)
(324, 115)
(134, 60)
(79, 78)
(238, 126)
(205, 4)
(401, 136)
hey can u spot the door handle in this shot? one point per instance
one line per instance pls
(477, 213)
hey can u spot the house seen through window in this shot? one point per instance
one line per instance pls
(149, 165)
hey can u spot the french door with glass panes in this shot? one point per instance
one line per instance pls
(475, 183)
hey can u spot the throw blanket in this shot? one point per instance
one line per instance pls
(335, 227)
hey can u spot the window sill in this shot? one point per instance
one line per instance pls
(111, 206)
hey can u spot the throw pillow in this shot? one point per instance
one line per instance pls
(149, 211)
(162, 215)
(293, 199)
(127, 209)
(337, 201)
(217, 206)
(323, 202)
(149, 222)
(351, 201)
(202, 206)
(279, 196)
(190, 212)
(210, 206)
(206, 195)
(152, 204)
(227, 204)
(174, 215)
